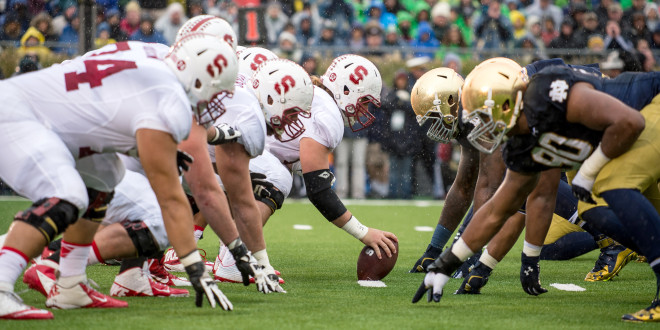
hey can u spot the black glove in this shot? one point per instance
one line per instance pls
(183, 159)
(245, 262)
(224, 134)
(582, 194)
(476, 279)
(205, 285)
(260, 185)
(529, 275)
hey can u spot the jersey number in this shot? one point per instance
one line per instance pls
(95, 71)
(559, 151)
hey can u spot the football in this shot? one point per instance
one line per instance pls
(370, 268)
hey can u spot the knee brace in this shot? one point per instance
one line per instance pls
(320, 193)
(142, 238)
(98, 204)
(51, 216)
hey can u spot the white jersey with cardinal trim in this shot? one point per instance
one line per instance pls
(97, 102)
(244, 115)
(325, 126)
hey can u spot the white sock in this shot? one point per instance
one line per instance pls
(73, 258)
(461, 250)
(487, 260)
(531, 250)
(94, 256)
(12, 263)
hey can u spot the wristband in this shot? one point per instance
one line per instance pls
(592, 165)
(355, 228)
(216, 136)
(262, 258)
(191, 258)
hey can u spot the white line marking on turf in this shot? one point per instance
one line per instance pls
(368, 202)
(13, 199)
(567, 287)
(423, 228)
(302, 227)
(372, 284)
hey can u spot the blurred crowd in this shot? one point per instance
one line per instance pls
(400, 161)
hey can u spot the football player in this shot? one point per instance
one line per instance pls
(571, 119)
(341, 98)
(83, 111)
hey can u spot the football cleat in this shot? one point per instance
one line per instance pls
(160, 275)
(649, 314)
(137, 282)
(41, 276)
(476, 279)
(610, 262)
(427, 258)
(74, 292)
(225, 270)
(13, 308)
(171, 261)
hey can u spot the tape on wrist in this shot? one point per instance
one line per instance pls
(355, 228)
(594, 164)
(191, 258)
(262, 258)
(235, 243)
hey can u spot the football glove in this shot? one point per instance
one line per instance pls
(581, 187)
(476, 279)
(204, 285)
(272, 281)
(437, 276)
(246, 263)
(183, 161)
(224, 134)
(260, 185)
(529, 275)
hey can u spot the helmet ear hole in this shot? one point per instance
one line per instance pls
(450, 100)
(506, 106)
(346, 90)
(269, 100)
(198, 84)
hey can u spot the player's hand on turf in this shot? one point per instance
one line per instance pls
(224, 134)
(376, 238)
(204, 285)
(183, 161)
(581, 186)
(246, 263)
(432, 285)
(260, 184)
(529, 275)
(272, 281)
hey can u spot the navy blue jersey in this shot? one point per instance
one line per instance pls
(532, 68)
(554, 142)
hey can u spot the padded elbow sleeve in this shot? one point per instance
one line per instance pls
(320, 193)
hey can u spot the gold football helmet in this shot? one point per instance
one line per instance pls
(436, 97)
(492, 101)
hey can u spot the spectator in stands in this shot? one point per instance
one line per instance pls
(146, 32)
(195, 8)
(614, 39)
(637, 30)
(422, 12)
(543, 8)
(310, 11)
(576, 13)
(440, 19)
(288, 47)
(393, 6)
(466, 9)
(401, 142)
(613, 65)
(417, 67)
(275, 20)
(20, 8)
(131, 21)
(356, 42)
(655, 38)
(227, 10)
(492, 30)
(43, 23)
(652, 15)
(69, 36)
(374, 40)
(602, 13)
(376, 13)
(566, 38)
(310, 63)
(589, 28)
(638, 6)
(155, 8)
(328, 36)
(595, 43)
(69, 8)
(106, 5)
(425, 42)
(11, 28)
(453, 61)
(518, 24)
(169, 24)
(549, 30)
(392, 38)
(646, 55)
(339, 11)
(305, 32)
(103, 36)
(614, 13)
(453, 40)
(405, 20)
(114, 20)
(32, 42)
(512, 5)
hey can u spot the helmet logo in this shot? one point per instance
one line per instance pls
(255, 84)
(359, 74)
(229, 39)
(258, 59)
(332, 77)
(219, 62)
(181, 65)
(287, 82)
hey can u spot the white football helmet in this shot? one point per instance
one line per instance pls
(354, 82)
(212, 25)
(250, 58)
(207, 68)
(285, 92)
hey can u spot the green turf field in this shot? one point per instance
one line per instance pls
(319, 267)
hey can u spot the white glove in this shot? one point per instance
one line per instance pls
(204, 285)
(432, 285)
(296, 168)
(224, 134)
(272, 280)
